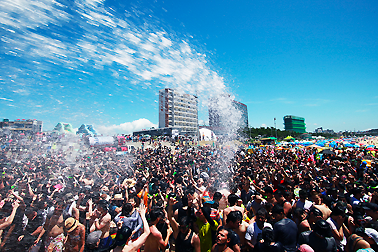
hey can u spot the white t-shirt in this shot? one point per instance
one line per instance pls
(334, 226)
(306, 205)
(253, 231)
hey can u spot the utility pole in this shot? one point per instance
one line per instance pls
(275, 127)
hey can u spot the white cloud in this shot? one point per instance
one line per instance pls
(5, 99)
(125, 128)
(21, 91)
(263, 125)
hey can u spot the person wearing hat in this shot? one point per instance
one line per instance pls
(312, 217)
(93, 241)
(75, 235)
(115, 206)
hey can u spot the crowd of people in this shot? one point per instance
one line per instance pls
(182, 198)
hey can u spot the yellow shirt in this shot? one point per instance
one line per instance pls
(205, 235)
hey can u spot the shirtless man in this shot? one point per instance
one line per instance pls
(234, 223)
(54, 228)
(241, 231)
(75, 239)
(155, 240)
(102, 223)
(88, 180)
(222, 241)
(232, 199)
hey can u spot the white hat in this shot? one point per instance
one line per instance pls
(372, 233)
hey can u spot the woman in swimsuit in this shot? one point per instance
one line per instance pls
(75, 239)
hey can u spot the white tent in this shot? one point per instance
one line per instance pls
(207, 135)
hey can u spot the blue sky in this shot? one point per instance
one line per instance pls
(103, 62)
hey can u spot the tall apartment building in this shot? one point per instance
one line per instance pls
(221, 119)
(178, 110)
(244, 113)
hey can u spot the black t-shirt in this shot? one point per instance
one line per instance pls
(235, 239)
(276, 247)
(318, 244)
(285, 232)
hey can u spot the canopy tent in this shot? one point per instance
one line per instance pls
(289, 138)
(207, 135)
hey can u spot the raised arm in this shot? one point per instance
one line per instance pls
(10, 218)
(146, 232)
(172, 220)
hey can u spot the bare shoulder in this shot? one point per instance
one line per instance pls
(155, 232)
(304, 224)
(238, 208)
(82, 228)
(107, 218)
(245, 224)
